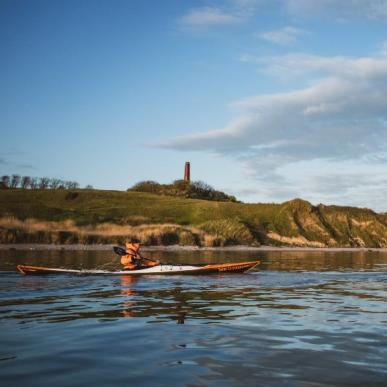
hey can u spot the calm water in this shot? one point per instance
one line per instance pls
(303, 319)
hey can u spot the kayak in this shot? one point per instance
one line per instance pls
(238, 267)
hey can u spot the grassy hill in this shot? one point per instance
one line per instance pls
(96, 216)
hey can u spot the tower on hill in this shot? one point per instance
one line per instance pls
(187, 172)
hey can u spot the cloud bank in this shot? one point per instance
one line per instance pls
(339, 117)
(237, 11)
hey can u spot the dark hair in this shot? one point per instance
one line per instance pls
(135, 240)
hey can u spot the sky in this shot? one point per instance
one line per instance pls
(268, 99)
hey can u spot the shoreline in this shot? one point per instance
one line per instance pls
(172, 248)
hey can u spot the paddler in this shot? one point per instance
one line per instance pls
(134, 260)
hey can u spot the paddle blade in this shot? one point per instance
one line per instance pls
(119, 250)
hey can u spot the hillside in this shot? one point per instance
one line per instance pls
(96, 216)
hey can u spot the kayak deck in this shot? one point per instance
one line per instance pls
(155, 270)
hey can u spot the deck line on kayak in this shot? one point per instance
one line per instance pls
(159, 269)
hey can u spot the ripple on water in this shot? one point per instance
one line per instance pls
(287, 327)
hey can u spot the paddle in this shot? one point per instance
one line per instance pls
(121, 251)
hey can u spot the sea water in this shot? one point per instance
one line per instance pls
(303, 318)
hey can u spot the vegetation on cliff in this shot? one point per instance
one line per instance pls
(192, 190)
(96, 216)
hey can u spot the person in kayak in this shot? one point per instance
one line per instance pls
(134, 260)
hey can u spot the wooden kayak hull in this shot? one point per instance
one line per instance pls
(238, 267)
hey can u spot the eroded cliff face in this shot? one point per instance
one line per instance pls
(328, 226)
(97, 216)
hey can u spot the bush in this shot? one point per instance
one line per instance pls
(193, 190)
(147, 186)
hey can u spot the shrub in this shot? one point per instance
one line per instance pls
(193, 190)
(146, 186)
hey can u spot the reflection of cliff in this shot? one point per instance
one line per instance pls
(320, 260)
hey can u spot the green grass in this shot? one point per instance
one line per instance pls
(96, 206)
(237, 222)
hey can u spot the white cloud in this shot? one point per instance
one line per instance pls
(383, 49)
(294, 64)
(342, 9)
(207, 17)
(230, 12)
(283, 36)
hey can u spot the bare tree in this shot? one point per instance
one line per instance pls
(5, 180)
(15, 181)
(73, 185)
(202, 186)
(54, 183)
(43, 182)
(34, 183)
(89, 187)
(62, 184)
(25, 182)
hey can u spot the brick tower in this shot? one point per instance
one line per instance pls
(187, 172)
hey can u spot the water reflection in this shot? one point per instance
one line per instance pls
(271, 260)
(245, 299)
(127, 291)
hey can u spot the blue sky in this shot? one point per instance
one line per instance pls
(268, 99)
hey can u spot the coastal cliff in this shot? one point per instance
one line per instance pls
(97, 216)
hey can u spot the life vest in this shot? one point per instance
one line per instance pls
(133, 257)
(132, 248)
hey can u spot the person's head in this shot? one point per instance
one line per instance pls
(134, 244)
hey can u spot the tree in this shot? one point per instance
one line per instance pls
(202, 186)
(25, 182)
(15, 181)
(34, 183)
(5, 180)
(89, 187)
(54, 183)
(62, 184)
(71, 184)
(43, 182)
